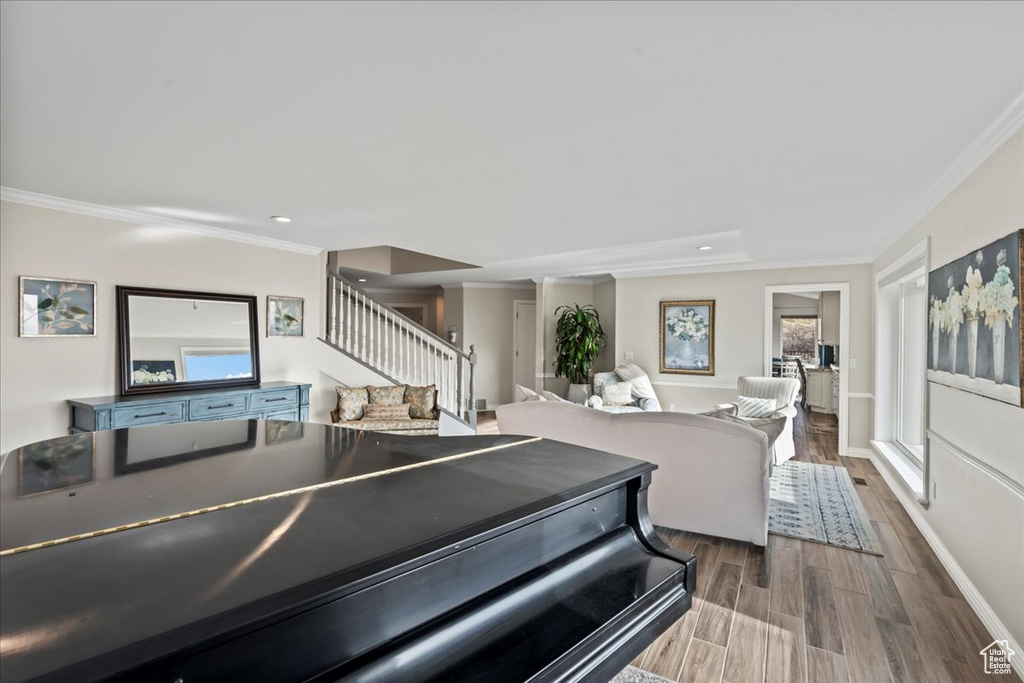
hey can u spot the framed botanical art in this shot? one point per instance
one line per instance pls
(975, 341)
(285, 316)
(687, 337)
(56, 307)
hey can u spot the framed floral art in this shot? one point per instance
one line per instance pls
(687, 337)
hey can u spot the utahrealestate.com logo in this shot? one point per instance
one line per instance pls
(997, 657)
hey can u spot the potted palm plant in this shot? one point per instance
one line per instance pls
(578, 339)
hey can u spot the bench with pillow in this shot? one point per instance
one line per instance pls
(402, 409)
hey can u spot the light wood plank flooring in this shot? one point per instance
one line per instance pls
(797, 611)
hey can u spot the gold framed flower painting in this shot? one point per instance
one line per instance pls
(687, 337)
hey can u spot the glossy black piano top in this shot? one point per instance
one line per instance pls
(298, 507)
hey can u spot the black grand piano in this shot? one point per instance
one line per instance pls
(287, 551)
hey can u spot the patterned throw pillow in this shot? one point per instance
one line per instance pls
(421, 401)
(378, 411)
(351, 403)
(617, 394)
(755, 407)
(386, 396)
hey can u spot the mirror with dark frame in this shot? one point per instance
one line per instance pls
(173, 340)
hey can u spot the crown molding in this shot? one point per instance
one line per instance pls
(484, 285)
(425, 291)
(738, 267)
(10, 194)
(992, 138)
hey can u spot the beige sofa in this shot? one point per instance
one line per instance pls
(712, 476)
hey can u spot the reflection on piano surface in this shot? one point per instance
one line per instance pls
(337, 555)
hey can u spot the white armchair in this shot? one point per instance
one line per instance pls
(784, 390)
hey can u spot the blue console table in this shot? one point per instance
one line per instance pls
(268, 401)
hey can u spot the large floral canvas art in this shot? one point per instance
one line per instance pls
(974, 321)
(688, 337)
(56, 308)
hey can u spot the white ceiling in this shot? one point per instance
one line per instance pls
(531, 138)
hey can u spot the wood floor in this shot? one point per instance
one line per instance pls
(801, 611)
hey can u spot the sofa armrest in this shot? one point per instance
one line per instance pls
(727, 408)
(650, 405)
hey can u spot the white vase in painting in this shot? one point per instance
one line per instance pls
(935, 346)
(954, 332)
(686, 353)
(998, 350)
(972, 346)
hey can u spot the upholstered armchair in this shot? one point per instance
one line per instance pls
(642, 397)
(784, 390)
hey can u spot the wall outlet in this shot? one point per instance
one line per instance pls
(853, 363)
(671, 407)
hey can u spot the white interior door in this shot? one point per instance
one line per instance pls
(524, 329)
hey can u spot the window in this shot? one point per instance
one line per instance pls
(800, 338)
(911, 335)
(208, 363)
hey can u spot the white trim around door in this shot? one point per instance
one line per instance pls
(844, 344)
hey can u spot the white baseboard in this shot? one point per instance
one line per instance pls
(974, 598)
(852, 452)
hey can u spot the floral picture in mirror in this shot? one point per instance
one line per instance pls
(688, 337)
(56, 307)
(285, 316)
(975, 340)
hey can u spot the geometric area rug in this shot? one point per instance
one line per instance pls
(818, 503)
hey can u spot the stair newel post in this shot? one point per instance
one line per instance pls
(472, 385)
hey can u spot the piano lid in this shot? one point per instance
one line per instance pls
(225, 522)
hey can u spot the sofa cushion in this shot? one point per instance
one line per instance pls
(601, 379)
(755, 407)
(386, 396)
(421, 401)
(521, 393)
(617, 394)
(552, 396)
(377, 411)
(352, 401)
(633, 374)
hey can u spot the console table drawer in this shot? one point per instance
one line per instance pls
(273, 400)
(201, 408)
(161, 413)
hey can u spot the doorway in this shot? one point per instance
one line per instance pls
(524, 340)
(791, 312)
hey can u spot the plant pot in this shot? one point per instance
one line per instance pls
(935, 346)
(953, 334)
(972, 346)
(579, 393)
(998, 349)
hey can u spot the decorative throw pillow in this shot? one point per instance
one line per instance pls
(351, 403)
(386, 396)
(379, 411)
(642, 387)
(522, 393)
(552, 396)
(421, 401)
(617, 394)
(755, 407)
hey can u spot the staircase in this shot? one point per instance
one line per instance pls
(375, 335)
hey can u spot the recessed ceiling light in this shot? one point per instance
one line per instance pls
(704, 248)
(281, 219)
(362, 279)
